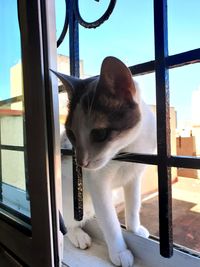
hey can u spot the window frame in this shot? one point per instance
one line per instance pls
(42, 246)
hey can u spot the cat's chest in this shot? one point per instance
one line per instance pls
(115, 174)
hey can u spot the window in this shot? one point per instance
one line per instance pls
(14, 176)
(157, 67)
(29, 150)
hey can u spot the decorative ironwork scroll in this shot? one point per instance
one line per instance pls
(81, 21)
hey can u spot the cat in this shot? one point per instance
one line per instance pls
(106, 116)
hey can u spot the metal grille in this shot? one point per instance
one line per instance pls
(162, 63)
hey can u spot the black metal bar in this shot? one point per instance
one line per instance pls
(138, 158)
(184, 162)
(25, 159)
(65, 27)
(163, 127)
(12, 148)
(174, 61)
(73, 41)
(185, 58)
(99, 21)
(66, 152)
(81, 21)
(11, 100)
(74, 70)
(143, 68)
(77, 190)
(172, 161)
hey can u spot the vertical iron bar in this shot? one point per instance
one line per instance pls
(73, 41)
(163, 127)
(25, 158)
(74, 70)
(24, 126)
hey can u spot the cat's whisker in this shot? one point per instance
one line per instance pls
(92, 101)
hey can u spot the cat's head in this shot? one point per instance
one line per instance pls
(104, 113)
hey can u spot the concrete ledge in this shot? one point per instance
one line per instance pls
(146, 252)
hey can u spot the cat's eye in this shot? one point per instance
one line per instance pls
(100, 135)
(71, 137)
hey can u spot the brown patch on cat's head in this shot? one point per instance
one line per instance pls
(114, 96)
(114, 112)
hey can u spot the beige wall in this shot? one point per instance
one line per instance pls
(196, 133)
(16, 81)
(64, 65)
(186, 146)
(16, 85)
(13, 171)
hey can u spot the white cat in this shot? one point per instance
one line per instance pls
(106, 116)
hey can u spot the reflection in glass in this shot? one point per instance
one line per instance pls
(13, 174)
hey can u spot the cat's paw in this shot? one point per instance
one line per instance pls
(123, 258)
(142, 231)
(79, 238)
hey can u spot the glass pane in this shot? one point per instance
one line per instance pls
(183, 27)
(13, 175)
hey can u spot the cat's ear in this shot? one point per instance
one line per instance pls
(116, 77)
(69, 82)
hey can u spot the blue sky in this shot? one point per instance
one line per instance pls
(128, 35)
(9, 44)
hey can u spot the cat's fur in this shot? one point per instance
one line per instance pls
(110, 102)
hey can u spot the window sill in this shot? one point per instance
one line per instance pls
(146, 252)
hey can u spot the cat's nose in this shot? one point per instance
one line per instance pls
(83, 164)
(82, 157)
